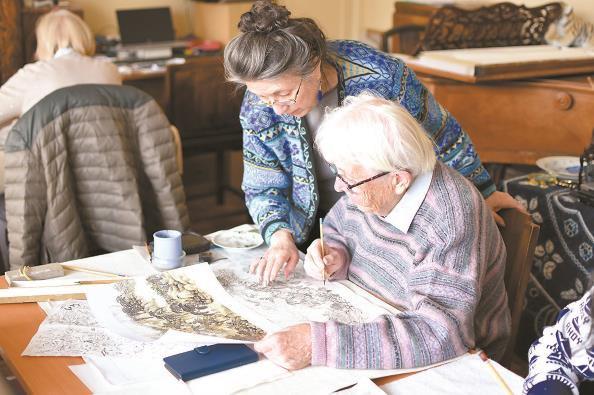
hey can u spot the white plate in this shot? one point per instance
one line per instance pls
(567, 167)
(237, 239)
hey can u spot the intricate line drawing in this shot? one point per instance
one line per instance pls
(287, 302)
(71, 330)
(179, 304)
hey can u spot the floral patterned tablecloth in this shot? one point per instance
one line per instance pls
(564, 257)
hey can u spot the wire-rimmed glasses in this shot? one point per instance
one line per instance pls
(256, 100)
(351, 186)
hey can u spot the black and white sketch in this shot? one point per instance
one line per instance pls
(179, 304)
(188, 300)
(298, 299)
(71, 330)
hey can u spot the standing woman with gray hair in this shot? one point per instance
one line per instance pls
(409, 230)
(65, 46)
(292, 74)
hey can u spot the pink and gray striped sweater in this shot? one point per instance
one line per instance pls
(445, 275)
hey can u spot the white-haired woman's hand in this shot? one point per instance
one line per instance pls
(318, 266)
(289, 348)
(500, 200)
(281, 253)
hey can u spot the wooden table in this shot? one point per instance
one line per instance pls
(49, 375)
(37, 375)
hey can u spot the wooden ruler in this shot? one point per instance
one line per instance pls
(40, 297)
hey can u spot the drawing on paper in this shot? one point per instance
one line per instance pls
(179, 304)
(288, 302)
(70, 329)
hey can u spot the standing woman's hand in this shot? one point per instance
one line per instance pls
(500, 200)
(281, 252)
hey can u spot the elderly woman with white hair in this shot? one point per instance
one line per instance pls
(409, 230)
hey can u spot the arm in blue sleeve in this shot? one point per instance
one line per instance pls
(453, 145)
(266, 186)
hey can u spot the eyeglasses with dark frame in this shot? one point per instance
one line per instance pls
(351, 186)
(258, 101)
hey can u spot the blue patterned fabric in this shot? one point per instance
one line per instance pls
(563, 259)
(564, 356)
(279, 167)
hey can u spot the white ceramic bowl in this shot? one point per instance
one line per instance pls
(566, 167)
(237, 240)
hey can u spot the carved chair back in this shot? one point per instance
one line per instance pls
(499, 25)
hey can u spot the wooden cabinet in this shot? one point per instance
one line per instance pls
(517, 122)
(205, 109)
(509, 122)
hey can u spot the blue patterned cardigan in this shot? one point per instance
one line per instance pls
(279, 177)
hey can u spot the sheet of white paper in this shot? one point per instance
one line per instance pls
(464, 61)
(262, 377)
(363, 387)
(92, 378)
(48, 306)
(188, 299)
(466, 376)
(126, 371)
(126, 262)
(325, 380)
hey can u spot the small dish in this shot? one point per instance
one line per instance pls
(566, 167)
(237, 239)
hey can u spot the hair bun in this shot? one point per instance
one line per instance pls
(264, 17)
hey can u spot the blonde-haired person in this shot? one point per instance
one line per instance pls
(410, 230)
(63, 29)
(65, 46)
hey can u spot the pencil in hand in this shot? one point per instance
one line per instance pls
(496, 374)
(322, 245)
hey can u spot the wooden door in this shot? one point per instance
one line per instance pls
(11, 58)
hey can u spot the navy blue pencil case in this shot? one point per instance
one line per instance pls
(206, 360)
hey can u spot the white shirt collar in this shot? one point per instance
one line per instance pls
(405, 210)
(63, 52)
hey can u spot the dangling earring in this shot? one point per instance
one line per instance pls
(320, 93)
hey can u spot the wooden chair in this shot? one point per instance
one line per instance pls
(499, 25)
(520, 235)
(205, 109)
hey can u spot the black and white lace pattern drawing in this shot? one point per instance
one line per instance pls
(287, 302)
(70, 329)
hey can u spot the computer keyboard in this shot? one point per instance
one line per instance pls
(142, 63)
(147, 66)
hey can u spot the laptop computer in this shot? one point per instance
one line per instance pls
(147, 27)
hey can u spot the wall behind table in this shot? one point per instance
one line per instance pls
(101, 14)
(338, 18)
